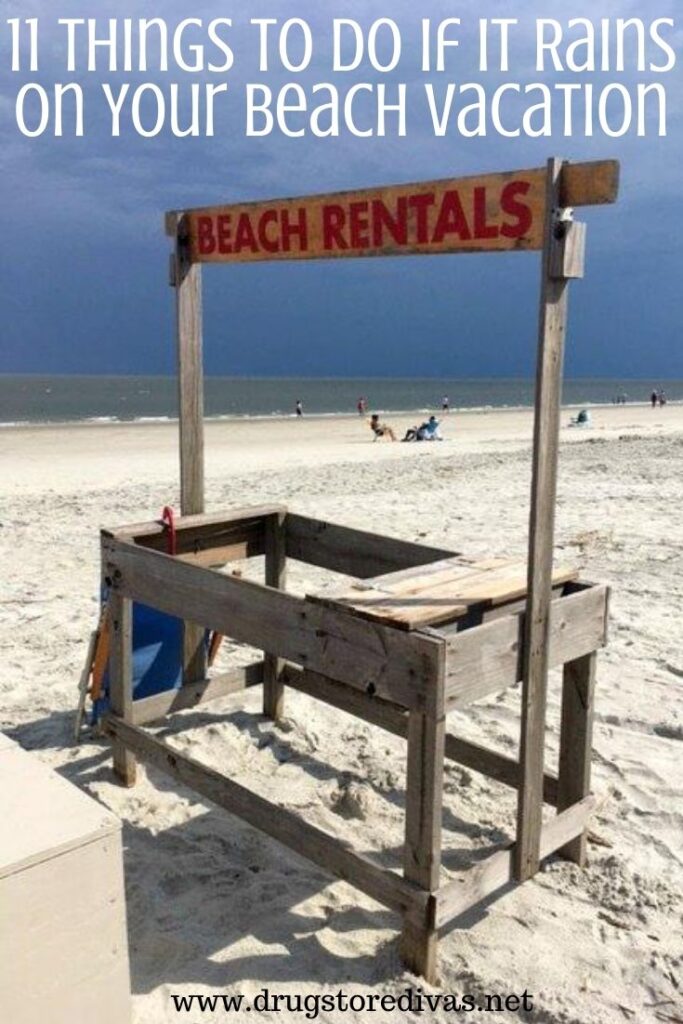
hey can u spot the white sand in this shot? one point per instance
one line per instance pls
(213, 905)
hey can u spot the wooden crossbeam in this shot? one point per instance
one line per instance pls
(350, 551)
(328, 852)
(150, 709)
(368, 656)
(488, 658)
(393, 719)
(476, 884)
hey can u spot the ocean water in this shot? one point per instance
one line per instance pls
(60, 399)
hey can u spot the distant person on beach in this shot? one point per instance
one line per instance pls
(428, 431)
(445, 404)
(361, 406)
(582, 419)
(381, 430)
(299, 407)
(662, 399)
(653, 398)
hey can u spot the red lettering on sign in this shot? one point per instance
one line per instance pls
(265, 220)
(333, 222)
(299, 230)
(452, 219)
(421, 204)
(481, 228)
(206, 240)
(224, 232)
(520, 211)
(359, 225)
(382, 218)
(244, 236)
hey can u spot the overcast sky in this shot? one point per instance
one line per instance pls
(84, 261)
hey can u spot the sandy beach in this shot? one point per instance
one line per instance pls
(215, 906)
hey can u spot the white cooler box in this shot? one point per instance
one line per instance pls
(63, 941)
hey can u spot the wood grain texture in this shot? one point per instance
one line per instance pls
(576, 742)
(353, 552)
(424, 600)
(488, 658)
(276, 576)
(368, 656)
(150, 709)
(594, 183)
(121, 678)
(393, 220)
(551, 337)
(188, 289)
(422, 844)
(190, 381)
(328, 852)
(568, 258)
(201, 529)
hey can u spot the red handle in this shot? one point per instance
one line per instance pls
(168, 520)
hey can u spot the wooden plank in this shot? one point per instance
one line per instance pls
(589, 184)
(487, 658)
(328, 852)
(353, 552)
(368, 656)
(214, 558)
(190, 381)
(191, 423)
(408, 581)
(406, 613)
(491, 212)
(552, 328)
(374, 710)
(149, 709)
(422, 846)
(482, 881)
(410, 605)
(207, 545)
(498, 611)
(569, 255)
(494, 765)
(394, 719)
(276, 576)
(499, 586)
(121, 678)
(191, 529)
(576, 741)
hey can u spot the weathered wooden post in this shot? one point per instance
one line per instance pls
(121, 679)
(562, 259)
(276, 570)
(576, 742)
(187, 280)
(424, 800)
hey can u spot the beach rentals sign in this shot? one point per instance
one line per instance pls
(483, 213)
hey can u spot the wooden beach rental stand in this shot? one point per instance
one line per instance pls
(418, 632)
